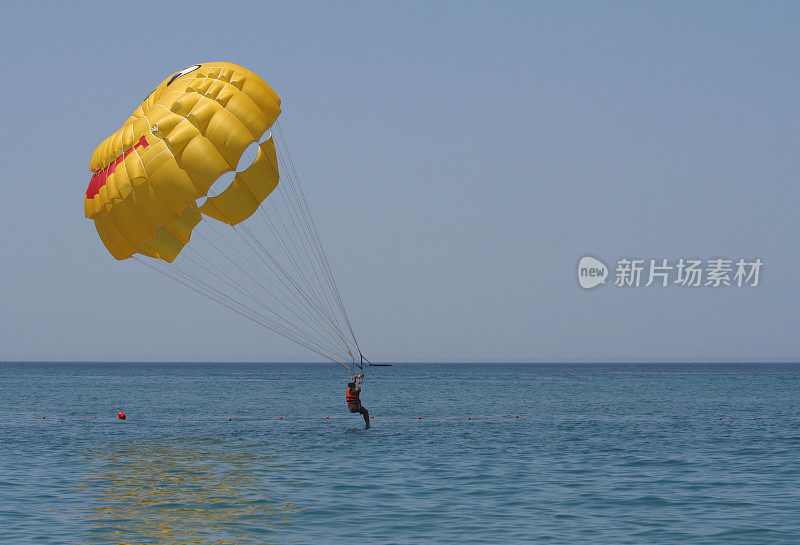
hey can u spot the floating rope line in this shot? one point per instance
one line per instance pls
(289, 418)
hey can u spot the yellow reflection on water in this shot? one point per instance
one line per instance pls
(180, 491)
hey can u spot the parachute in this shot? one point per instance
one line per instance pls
(189, 187)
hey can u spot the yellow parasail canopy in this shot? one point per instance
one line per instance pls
(192, 129)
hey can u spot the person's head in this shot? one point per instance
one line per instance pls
(351, 384)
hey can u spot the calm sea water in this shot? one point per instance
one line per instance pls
(599, 454)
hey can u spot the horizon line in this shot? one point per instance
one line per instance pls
(433, 362)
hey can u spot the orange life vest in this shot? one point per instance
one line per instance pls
(351, 396)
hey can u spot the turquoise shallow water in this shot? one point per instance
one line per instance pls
(599, 454)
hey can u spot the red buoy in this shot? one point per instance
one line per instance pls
(230, 419)
(121, 415)
(327, 417)
(419, 418)
(43, 418)
(469, 418)
(280, 418)
(720, 418)
(516, 416)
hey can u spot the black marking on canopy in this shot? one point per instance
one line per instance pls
(183, 73)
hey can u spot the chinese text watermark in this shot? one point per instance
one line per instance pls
(683, 272)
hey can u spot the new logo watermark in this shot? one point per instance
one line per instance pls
(591, 272)
(683, 272)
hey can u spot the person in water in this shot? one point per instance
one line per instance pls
(353, 401)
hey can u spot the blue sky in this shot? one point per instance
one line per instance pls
(459, 158)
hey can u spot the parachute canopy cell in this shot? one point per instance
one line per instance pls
(193, 128)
